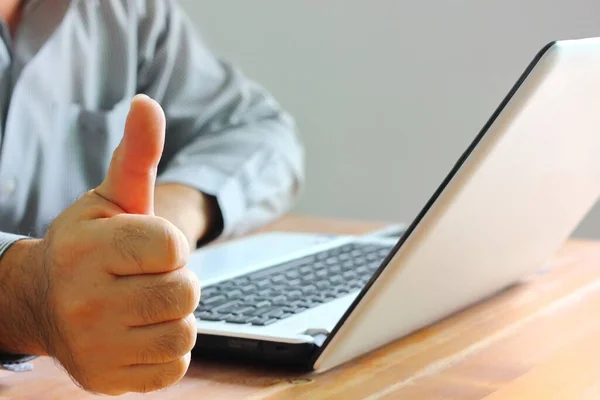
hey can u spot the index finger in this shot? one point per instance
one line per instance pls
(141, 244)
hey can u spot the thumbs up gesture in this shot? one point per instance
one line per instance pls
(116, 303)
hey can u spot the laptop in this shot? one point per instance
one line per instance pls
(514, 196)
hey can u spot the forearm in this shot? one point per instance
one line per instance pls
(21, 296)
(196, 214)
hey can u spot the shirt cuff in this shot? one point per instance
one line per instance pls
(16, 363)
(225, 189)
(8, 239)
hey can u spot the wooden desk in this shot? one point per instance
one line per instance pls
(538, 340)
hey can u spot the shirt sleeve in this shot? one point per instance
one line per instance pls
(226, 136)
(13, 362)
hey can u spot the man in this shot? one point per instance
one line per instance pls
(93, 249)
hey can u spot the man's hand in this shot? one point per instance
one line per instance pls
(106, 292)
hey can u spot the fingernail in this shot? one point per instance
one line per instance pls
(139, 96)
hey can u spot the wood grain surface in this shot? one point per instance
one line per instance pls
(537, 340)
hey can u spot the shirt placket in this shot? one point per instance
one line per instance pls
(8, 186)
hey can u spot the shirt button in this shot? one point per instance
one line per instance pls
(8, 187)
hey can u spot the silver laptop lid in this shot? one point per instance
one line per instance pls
(512, 199)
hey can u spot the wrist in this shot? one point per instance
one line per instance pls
(23, 299)
(196, 214)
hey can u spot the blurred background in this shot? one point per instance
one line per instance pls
(387, 93)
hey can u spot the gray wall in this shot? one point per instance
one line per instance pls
(387, 93)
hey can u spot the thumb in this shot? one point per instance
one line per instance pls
(131, 176)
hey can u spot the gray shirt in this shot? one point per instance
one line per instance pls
(67, 78)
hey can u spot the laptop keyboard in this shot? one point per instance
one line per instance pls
(275, 293)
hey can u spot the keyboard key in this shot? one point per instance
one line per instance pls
(214, 300)
(234, 294)
(305, 270)
(336, 280)
(316, 299)
(251, 298)
(332, 261)
(226, 307)
(263, 283)
(335, 251)
(223, 286)
(373, 257)
(295, 282)
(206, 316)
(360, 261)
(263, 321)
(356, 285)
(294, 294)
(274, 313)
(279, 289)
(374, 265)
(292, 274)
(348, 266)
(309, 278)
(362, 270)
(293, 309)
(278, 279)
(349, 275)
(248, 288)
(309, 289)
(263, 304)
(299, 303)
(322, 273)
(260, 311)
(383, 253)
(242, 310)
(322, 285)
(241, 281)
(238, 319)
(280, 300)
(209, 291)
(312, 304)
(266, 292)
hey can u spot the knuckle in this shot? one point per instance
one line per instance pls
(169, 374)
(180, 368)
(179, 340)
(190, 292)
(82, 311)
(98, 387)
(127, 238)
(148, 305)
(175, 249)
(172, 373)
(64, 248)
(190, 333)
(170, 296)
